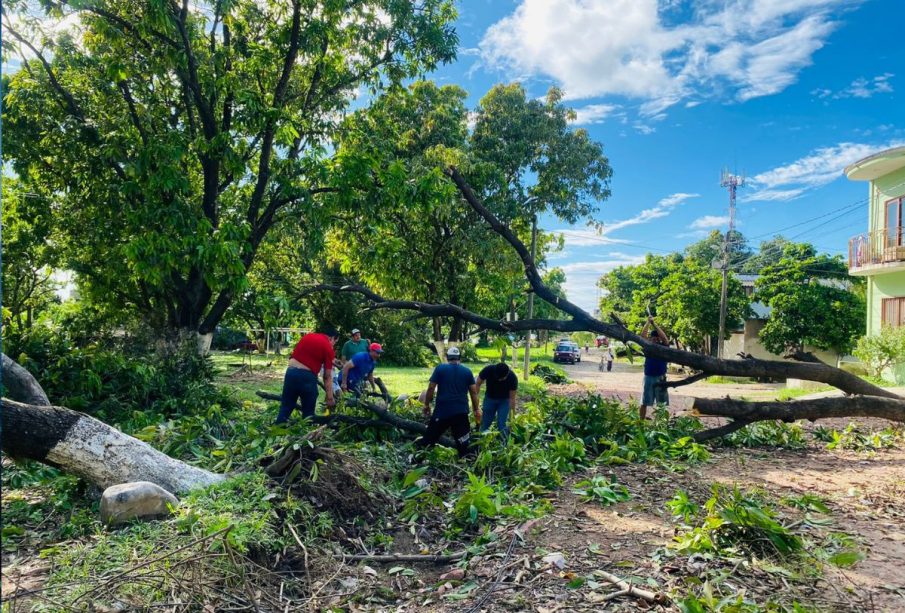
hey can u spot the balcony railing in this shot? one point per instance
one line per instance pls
(883, 246)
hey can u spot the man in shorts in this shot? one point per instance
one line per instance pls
(654, 370)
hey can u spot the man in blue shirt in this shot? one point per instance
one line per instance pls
(454, 385)
(360, 367)
(654, 370)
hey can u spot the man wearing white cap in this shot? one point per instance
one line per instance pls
(354, 345)
(456, 385)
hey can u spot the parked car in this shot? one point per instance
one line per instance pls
(246, 345)
(602, 341)
(567, 351)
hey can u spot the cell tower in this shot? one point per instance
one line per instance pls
(732, 182)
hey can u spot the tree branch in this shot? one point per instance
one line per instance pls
(892, 409)
(823, 373)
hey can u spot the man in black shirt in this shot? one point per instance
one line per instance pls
(499, 401)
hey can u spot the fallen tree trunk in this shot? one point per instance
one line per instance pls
(743, 412)
(102, 455)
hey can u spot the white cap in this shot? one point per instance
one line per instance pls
(356, 331)
(453, 352)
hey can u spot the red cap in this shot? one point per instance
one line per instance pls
(376, 347)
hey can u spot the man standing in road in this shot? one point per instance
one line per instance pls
(499, 400)
(354, 345)
(360, 367)
(654, 370)
(313, 352)
(456, 385)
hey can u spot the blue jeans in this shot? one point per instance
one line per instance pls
(496, 408)
(298, 384)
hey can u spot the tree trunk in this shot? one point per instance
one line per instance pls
(21, 385)
(81, 445)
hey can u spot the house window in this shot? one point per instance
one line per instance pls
(893, 312)
(894, 222)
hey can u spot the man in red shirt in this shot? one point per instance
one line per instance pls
(313, 352)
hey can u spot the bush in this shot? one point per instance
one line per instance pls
(882, 351)
(550, 374)
(165, 376)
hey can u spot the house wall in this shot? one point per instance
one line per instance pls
(748, 341)
(890, 285)
(885, 188)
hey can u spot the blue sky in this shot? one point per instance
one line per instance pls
(787, 91)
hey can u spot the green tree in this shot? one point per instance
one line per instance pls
(689, 305)
(172, 137)
(811, 302)
(710, 249)
(682, 293)
(633, 292)
(882, 351)
(770, 252)
(413, 235)
(28, 258)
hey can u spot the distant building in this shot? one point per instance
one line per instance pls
(879, 254)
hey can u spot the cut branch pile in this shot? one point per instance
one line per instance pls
(326, 477)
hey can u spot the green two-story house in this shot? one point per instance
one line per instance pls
(879, 254)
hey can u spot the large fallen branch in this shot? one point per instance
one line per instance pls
(892, 409)
(83, 446)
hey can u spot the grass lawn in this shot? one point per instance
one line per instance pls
(266, 371)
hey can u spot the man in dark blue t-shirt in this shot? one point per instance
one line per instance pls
(453, 384)
(654, 370)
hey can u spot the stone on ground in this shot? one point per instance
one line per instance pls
(139, 499)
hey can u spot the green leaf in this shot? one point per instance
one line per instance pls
(845, 559)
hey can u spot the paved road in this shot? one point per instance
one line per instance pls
(625, 382)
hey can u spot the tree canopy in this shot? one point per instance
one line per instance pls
(811, 302)
(171, 138)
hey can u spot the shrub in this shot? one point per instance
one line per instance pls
(550, 374)
(166, 376)
(601, 490)
(882, 351)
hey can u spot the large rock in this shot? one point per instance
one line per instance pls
(139, 499)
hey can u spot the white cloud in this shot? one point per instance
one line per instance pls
(586, 238)
(770, 195)
(581, 277)
(677, 198)
(663, 208)
(820, 167)
(709, 221)
(742, 48)
(860, 88)
(594, 113)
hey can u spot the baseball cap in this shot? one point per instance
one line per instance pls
(453, 352)
(356, 331)
(376, 347)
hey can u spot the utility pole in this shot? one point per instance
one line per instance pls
(531, 296)
(732, 182)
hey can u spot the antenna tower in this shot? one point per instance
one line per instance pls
(732, 182)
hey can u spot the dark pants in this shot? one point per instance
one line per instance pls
(609, 366)
(461, 431)
(298, 384)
